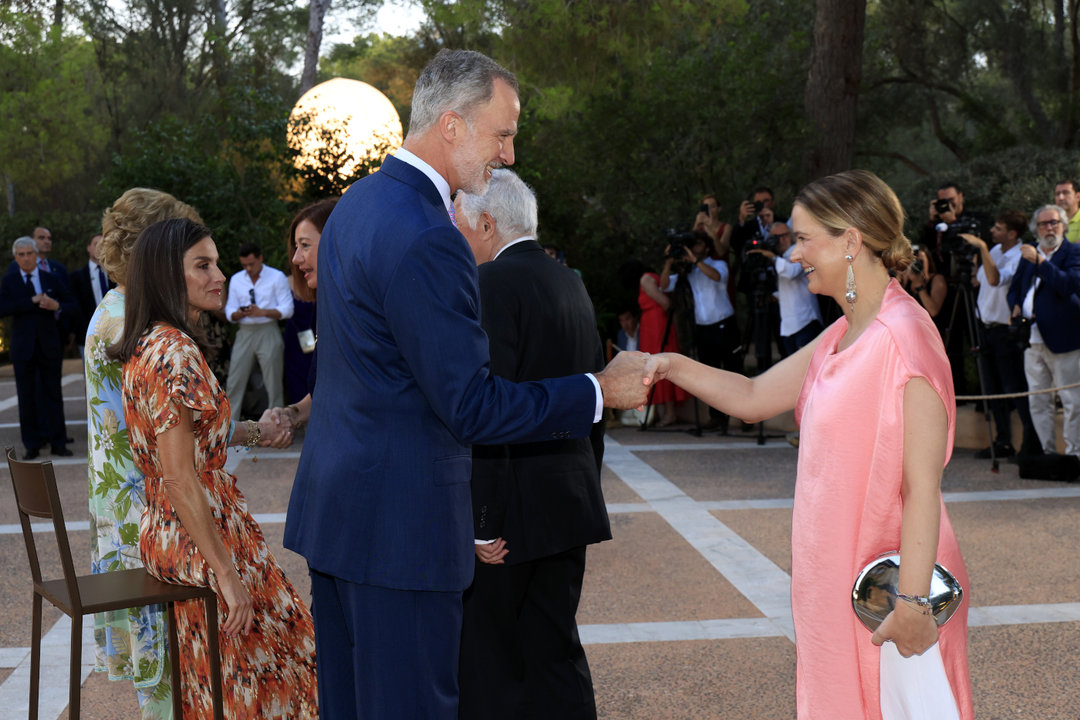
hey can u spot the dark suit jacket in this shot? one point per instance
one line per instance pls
(1057, 299)
(84, 295)
(31, 326)
(382, 490)
(542, 498)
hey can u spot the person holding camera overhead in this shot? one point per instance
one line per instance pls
(691, 258)
(924, 283)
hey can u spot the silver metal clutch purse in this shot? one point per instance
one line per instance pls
(874, 594)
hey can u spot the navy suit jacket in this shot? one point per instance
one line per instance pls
(1057, 299)
(31, 326)
(381, 495)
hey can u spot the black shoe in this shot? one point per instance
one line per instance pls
(31, 454)
(62, 452)
(1001, 450)
(69, 440)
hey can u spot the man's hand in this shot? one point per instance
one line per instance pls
(1029, 253)
(746, 211)
(974, 241)
(492, 553)
(621, 382)
(45, 302)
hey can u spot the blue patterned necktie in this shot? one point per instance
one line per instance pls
(453, 217)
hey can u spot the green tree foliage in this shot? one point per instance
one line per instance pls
(50, 131)
(237, 182)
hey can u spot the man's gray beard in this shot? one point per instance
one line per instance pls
(1045, 245)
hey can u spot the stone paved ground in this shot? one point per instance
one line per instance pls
(685, 613)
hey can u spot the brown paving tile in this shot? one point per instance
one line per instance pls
(722, 679)
(728, 474)
(1020, 552)
(15, 583)
(615, 490)
(5, 673)
(648, 573)
(767, 530)
(1025, 671)
(104, 699)
(267, 483)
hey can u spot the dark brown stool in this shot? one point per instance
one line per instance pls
(79, 595)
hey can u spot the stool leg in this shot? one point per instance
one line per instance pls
(215, 656)
(35, 657)
(76, 663)
(174, 664)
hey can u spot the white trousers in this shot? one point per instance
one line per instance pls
(1045, 369)
(260, 342)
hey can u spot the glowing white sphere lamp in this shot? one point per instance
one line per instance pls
(348, 117)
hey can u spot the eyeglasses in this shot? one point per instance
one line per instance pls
(1048, 223)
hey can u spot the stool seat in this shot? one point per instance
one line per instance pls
(79, 595)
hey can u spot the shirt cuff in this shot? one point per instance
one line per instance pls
(599, 398)
(484, 542)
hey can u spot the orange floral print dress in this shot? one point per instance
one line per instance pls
(270, 672)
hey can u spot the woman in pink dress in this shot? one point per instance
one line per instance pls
(874, 399)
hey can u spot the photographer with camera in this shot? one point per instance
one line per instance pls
(1001, 357)
(955, 259)
(1046, 293)
(800, 315)
(756, 214)
(715, 335)
(924, 283)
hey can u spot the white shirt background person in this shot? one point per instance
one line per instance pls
(259, 296)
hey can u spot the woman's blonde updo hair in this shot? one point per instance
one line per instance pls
(133, 212)
(860, 199)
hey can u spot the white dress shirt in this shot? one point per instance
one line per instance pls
(798, 306)
(711, 301)
(993, 300)
(271, 293)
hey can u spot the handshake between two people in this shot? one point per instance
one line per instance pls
(627, 379)
(624, 383)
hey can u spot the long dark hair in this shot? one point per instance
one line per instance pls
(156, 287)
(317, 213)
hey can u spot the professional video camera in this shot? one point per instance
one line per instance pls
(677, 241)
(955, 247)
(758, 273)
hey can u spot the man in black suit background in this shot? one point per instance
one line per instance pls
(89, 285)
(38, 301)
(537, 505)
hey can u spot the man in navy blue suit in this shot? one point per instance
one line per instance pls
(38, 302)
(1046, 290)
(380, 507)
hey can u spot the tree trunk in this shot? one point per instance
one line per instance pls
(832, 85)
(314, 42)
(10, 186)
(58, 13)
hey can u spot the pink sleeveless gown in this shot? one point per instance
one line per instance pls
(848, 505)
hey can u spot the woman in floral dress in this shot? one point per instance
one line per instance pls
(196, 528)
(129, 644)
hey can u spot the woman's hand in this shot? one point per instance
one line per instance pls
(238, 606)
(913, 632)
(657, 367)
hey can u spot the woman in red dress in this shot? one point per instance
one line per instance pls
(654, 305)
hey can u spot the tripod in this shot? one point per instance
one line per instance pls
(974, 336)
(762, 332)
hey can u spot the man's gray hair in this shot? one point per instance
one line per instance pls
(24, 241)
(1063, 215)
(508, 200)
(456, 80)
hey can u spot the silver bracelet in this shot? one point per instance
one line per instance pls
(922, 602)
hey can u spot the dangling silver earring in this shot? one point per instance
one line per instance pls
(851, 296)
